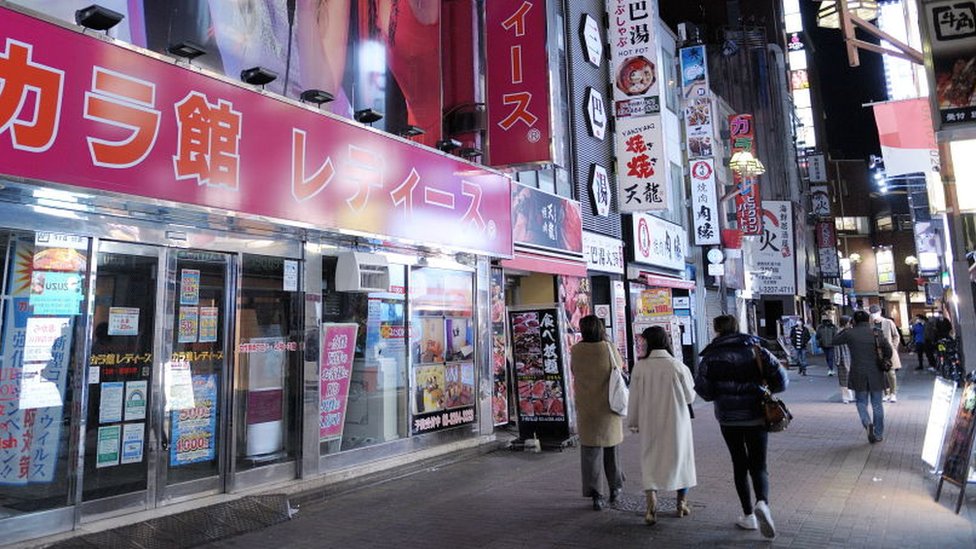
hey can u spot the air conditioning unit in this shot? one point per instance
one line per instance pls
(362, 272)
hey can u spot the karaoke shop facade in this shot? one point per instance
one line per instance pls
(208, 288)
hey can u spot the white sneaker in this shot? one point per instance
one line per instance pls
(893, 398)
(765, 518)
(747, 522)
(885, 398)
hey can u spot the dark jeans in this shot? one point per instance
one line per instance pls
(829, 355)
(590, 458)
(747, 446)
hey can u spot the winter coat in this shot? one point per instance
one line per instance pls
(596, 424)
(799, 336)
(918, 333)
(890, 332)
(864, 372)
(661, 388)
(826, 333)
(729, 376)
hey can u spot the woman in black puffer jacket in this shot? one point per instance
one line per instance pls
(729, 375)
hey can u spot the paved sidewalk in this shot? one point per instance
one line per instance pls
(829, 488)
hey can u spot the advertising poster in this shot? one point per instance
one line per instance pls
(773, 253)
(574, 296)
(957, 466)
(429, 382)
(55, 293)
(178, 386)
(619, 295)
(642, 182)
(540, 377)
(208, 324)
(41, 337)
(459, 380)
(885, 262)
(517, 81)
(189, 287)
(107, 449)
(136, 399)
(460, 338)
(123, 321)
(338, 350)
(699, 126)
(704, 203)
(950, 29)
(544, 220)
(499, 352)
(110, 403)
(189, 323)
(133, 435)
(193, 431)
(656, 302)
(633, 58)
(430, 344)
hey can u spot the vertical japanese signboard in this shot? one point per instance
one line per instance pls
(827, 249)
(641, 172)
(699, 131)
(519, 125)
(540, 376)
(747, 198)
(499, 349)
(774, 254)
(704, 202)
(950, 26)
(338, 348)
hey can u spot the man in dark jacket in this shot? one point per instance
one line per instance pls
(732, 369)
(866, 378)
(799, 338)
(825, 337)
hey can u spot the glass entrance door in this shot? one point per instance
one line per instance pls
(195, 373)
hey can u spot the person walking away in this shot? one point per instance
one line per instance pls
(843, 356)
(661, 390)
(825, 337)
(866, 378)
(918, 339)
(799, 339)
(600, 430)
(729, 375)
(931, 334)
(890, 332)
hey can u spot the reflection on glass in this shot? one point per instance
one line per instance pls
(269, 362)
(43, 281)
(375, 408)
(120, 375)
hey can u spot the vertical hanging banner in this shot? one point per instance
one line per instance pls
(704, 202)
(499, 350)
(638, 141)
(519, 125)
(827, 249)
(747, 199)
(820, 201)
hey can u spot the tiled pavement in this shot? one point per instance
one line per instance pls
(829, 488)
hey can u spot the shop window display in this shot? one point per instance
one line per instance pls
(363, 378)
(442, 349)
(44, 279)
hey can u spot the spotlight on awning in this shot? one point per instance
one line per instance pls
(96, 17)
(367, 116)
(186, 50)
(316, 97)
(258, 76)
(411, 131)
(448, 145)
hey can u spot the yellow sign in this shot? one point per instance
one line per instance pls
(656, 302)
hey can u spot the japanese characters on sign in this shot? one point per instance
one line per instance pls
(603, 253)
(600, 190)
(633, 55)
(951, 29)
(659, 242)
(704, 203)
(655, 302)
(519, 125)
(592, 40)
(123, 117)
(827, 249)
(544, 220)
(642, 183)
(747, 198)
(774, 255)
(540, 376)
(596, 114)
(820, 201)
(193, 429)
(338, 348)
(817, 168)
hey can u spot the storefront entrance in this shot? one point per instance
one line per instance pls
(157, 376)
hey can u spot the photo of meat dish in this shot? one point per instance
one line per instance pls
(541, 398)
(956, 87)
(700, 146)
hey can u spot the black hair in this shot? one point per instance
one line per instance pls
(861, 317)
(592, 330)
(725, 324)
(655, 337)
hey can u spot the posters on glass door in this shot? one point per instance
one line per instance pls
(136, 398)
(123, 321)
(107, 453)
(189, 287)
(208, 324)
(338, 350)
(55, 293)
(189, 324)
(178, 386)
(193, 430)
(110, 402)
(133, 435)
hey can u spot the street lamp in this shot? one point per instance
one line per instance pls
(746, 165)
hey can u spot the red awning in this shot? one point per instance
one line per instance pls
(545, 264)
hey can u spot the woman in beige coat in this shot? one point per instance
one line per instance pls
(661, 388)
(600, 430)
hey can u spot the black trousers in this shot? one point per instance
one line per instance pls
(747, 446)
(590, 461)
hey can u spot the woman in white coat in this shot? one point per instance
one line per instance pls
(661, 388)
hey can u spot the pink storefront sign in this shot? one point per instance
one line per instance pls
(338, 349)
(78, 110)
(519, 126)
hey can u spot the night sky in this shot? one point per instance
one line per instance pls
(851, 133)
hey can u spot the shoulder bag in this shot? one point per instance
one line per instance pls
(619, 393)
(884, 364)
(775, 412)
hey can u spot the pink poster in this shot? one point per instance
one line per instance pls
(519, 129)
(338, 349)
(84, 112)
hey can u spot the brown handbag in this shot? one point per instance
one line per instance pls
(775, 412)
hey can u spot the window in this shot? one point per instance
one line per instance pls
(884, 223)
(852, 225)
(670, 82)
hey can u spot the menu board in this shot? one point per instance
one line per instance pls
(499, 392)
(940, 412)
(338, 349)
(959, 441)
(540, 375)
